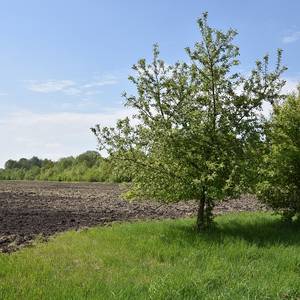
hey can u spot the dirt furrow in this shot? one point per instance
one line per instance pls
(41, 209)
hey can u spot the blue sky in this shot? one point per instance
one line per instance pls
(64, 64)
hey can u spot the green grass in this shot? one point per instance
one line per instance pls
(246, 256)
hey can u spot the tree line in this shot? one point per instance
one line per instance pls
(89, 166)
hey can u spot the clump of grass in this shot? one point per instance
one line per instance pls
(246, 256)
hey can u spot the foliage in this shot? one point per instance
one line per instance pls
(89, 166)
(247, 256)
(279, 184)
(197, 123)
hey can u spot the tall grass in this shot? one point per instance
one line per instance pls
(246, 256)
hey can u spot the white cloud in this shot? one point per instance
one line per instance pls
(70, 87)
(51, 135)
(100, 83)
(49, 86)
(291, 37)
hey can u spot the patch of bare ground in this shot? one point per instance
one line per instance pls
(40, 209)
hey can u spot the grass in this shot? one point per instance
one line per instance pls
(246, 256)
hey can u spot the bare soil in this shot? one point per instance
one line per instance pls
(40, 209)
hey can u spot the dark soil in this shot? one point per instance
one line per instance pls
(30, 210)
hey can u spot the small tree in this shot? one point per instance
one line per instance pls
(195, 123)
(279, 185)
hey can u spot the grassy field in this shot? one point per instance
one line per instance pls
(246, 256)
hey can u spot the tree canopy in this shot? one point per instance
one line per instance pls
(279, 182)
(196, 123)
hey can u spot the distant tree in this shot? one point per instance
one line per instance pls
(65, 163)
(35, 161)
(24, 163)
(47, 163)
(196, 126)
(89, 158)
(32, 173)
(11, 164)
(279, 185)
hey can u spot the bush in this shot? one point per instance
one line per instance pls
(279, 185)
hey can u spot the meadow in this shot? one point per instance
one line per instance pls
(244, 256)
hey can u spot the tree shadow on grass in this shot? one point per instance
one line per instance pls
(261, 230)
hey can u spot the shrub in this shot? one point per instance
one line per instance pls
(279, 185)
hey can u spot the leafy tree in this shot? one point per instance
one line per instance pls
(11, 164)
(24, 163)
(47, 163)
(65, 162)
(279, 184)
(35, 161)
(32, 173)
(89, 158)
(195, 123)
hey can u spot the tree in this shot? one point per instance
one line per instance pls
(279, 185)
(11, 164)
(35, 162)
(195, 123)
(65, 163)
(89, 158)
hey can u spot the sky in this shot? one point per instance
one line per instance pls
(64, 64)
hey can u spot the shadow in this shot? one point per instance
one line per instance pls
(262, 231)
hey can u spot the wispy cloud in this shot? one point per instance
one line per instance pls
(100, 83)
(291, 37)
(70, 87)
(49, 86)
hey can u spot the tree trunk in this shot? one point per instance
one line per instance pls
(200, 215)
(204, 215)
